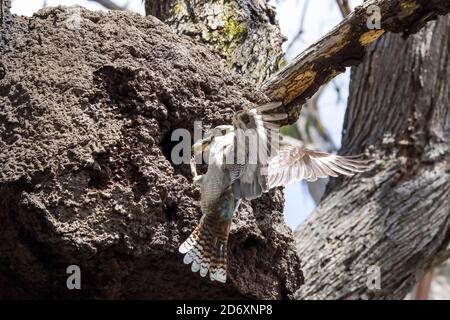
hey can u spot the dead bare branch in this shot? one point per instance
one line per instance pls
(344, 7)
(424, 286)
(111, 5)
(346, 46)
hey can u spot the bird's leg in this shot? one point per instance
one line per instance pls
(196, 177)
(236, 209)
(193, 167)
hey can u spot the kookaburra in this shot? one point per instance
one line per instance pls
(247, 159)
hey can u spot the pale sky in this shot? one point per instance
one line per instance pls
(321, 16)
(27, 7)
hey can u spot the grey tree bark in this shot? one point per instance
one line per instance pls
(395, 218)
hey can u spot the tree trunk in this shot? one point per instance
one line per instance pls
(395, 219)
(244, 32)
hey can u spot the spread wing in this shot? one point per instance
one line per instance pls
(294, 163)
(255, 143)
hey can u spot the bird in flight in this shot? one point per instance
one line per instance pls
(245, 160)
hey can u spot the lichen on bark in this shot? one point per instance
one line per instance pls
(244, 33)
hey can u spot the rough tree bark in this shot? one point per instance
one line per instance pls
(88, 104)
(244, 32)
(397, 216)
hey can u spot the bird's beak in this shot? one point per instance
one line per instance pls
(201, 145)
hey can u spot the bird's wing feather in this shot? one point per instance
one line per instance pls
(257, 129)
(294, 163)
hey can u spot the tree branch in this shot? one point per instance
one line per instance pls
(344, 7)
(111, 5)
(345, 46)
(424, 286)
(5, 22)
(4, 7)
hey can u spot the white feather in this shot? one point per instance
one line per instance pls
(294, 163)
(204, 268)
(187, 258)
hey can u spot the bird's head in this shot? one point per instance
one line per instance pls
(210, 135)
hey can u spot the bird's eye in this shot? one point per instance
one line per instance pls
(245, 118)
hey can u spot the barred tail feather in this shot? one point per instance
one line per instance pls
(206, 248)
